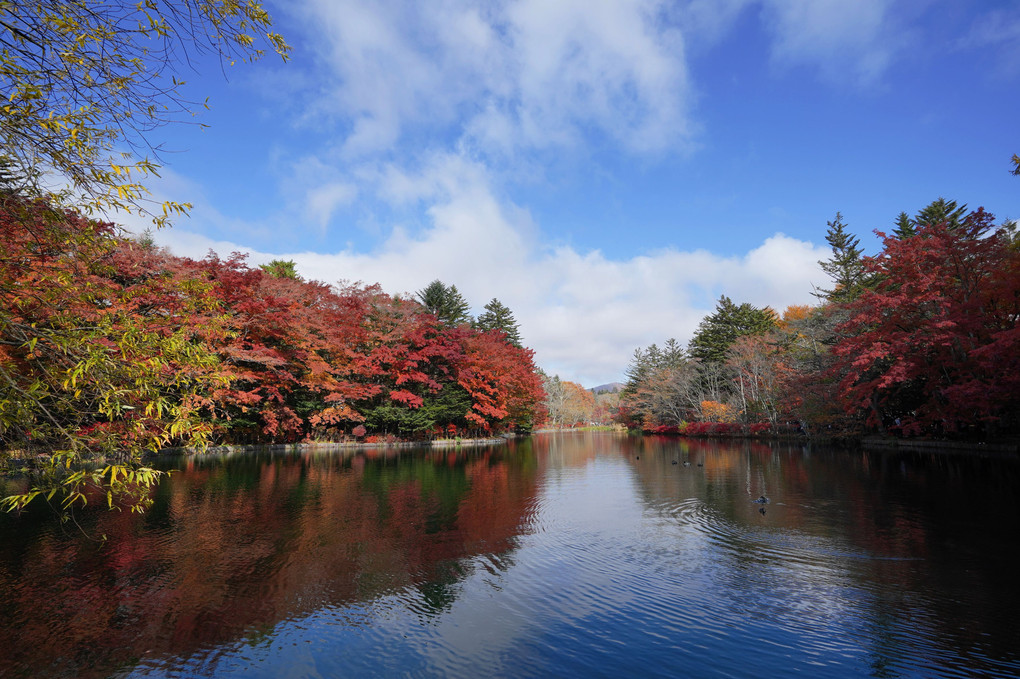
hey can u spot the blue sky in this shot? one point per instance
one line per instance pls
(605, 169)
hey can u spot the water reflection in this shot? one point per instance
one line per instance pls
(232, 547)
(567, 554)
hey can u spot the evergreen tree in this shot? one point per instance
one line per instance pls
(445, 303)
(673, 354)
(498, 317)
(905, 226)
(281, 268)
(145, 240)
(845, 267)
(942, 211)
(646, 362)
(638, 369)
(718, 331)
(1010, 231)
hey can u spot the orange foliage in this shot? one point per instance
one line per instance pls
(578, 404)
(713, 411)
(794, 313)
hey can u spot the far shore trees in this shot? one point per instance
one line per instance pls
(922, 339)
(668, 387)
(567, 403)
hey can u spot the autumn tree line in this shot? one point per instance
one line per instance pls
(108, 339)
(921, 339)
(111, 346)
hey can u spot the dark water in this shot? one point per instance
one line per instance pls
(563, 555)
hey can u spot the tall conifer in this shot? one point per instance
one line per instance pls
(718, 331)
(905, 226)
(499, 317)
(942, 211)
(444, 302)
(845, 267)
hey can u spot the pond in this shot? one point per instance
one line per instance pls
(573, 554)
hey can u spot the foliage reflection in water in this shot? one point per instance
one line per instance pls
(565, 554)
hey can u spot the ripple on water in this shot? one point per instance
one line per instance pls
(809, 596)
(725, 578)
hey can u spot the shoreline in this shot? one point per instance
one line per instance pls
(873, 442)
(916, 445)
(314, 445)
(945, 446)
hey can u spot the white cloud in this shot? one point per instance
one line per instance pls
(582, 312)
(614, 65)
(526, 74)
(845, 41)
(521, 84)
(842, 38)
(322, 201)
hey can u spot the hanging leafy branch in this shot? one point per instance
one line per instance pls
(89, 367)
(81, 80)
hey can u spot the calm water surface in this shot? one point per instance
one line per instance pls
(582, 554)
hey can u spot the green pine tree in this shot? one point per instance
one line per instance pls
(499, 317)
(145, 240)
(445, 303)
(281, 268)
(673, 354)
(718, 331)
(845, 267)
(905, 227)
(941, 211)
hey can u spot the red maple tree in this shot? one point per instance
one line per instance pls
(935, 345)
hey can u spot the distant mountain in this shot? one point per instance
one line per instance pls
(612, 386)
